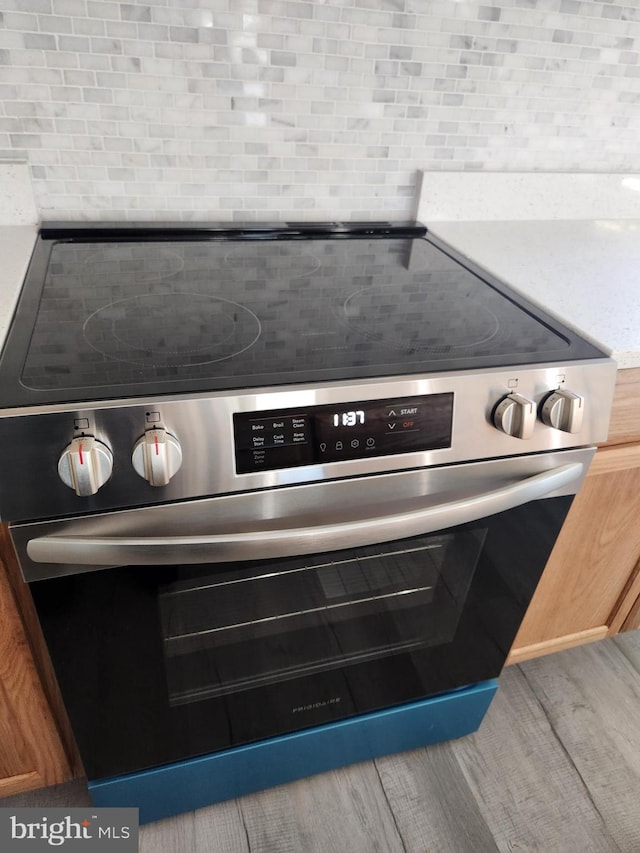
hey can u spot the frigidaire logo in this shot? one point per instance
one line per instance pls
(313, 705)
(27, 830)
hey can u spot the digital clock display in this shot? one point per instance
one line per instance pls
(349, 419)
(289, 438)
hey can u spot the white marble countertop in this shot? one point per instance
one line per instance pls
(584, 272)
(16, 246)
(18, 232)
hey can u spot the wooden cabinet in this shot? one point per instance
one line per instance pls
(633, 619)
(590, 588)
(34, 736)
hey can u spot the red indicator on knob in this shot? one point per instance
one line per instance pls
(157, 456)
(85, 465)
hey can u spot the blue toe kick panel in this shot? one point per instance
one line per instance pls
(186, 785)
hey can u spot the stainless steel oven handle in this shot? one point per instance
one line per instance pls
(264, 544)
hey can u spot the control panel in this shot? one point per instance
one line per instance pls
(145, 451)
(333, 433)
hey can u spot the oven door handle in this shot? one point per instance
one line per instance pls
(96, 550)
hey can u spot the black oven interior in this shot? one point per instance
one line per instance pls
(233, 631)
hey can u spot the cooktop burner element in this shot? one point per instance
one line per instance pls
(138, 311)
(172, 329)
(110, 261)
(422, 320)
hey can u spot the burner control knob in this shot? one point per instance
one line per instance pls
(563, 410)
(85, 465)
(515, 415)
(157, 456)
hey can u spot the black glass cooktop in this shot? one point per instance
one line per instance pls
(129, 313)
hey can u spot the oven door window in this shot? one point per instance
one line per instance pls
(234, 631)
(162, 663)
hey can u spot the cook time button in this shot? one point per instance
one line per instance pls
(278, 433)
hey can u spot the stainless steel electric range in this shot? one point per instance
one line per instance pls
(282, 494)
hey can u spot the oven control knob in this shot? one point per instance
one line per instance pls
(563, 410)
(515, 415)
(85, 465)
(157, 456)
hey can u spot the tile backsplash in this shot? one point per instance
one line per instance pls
(307, 109)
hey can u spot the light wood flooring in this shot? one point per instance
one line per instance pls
(555, 767)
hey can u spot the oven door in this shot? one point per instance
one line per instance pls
(165, 658)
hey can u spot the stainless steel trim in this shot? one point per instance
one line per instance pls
(298, 520)
(314, 392)
(204, 426)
